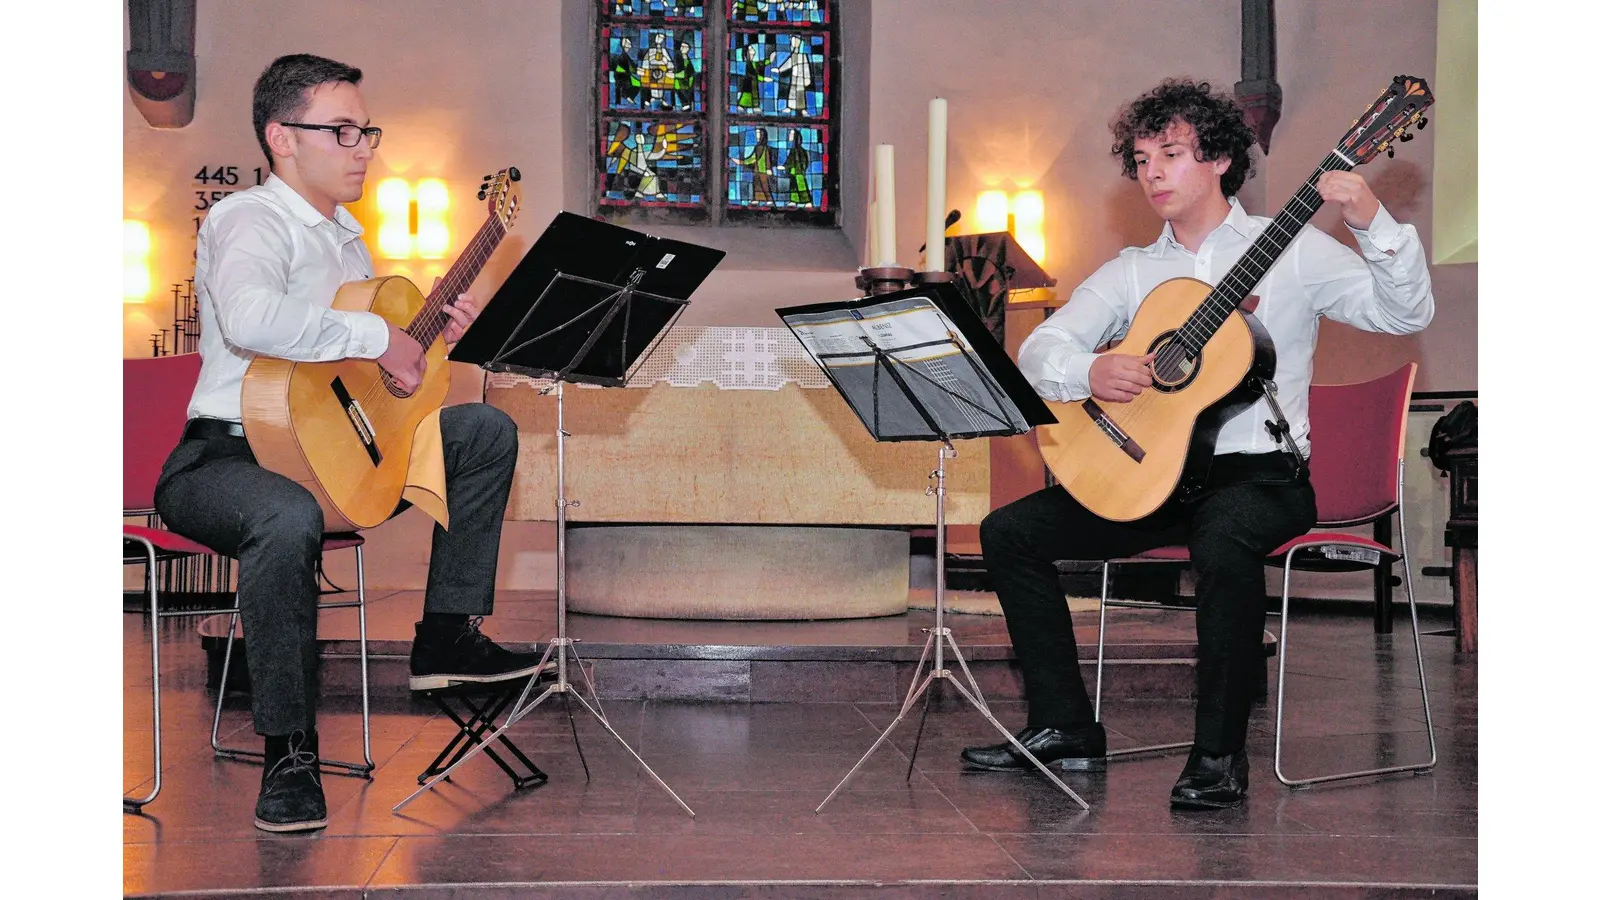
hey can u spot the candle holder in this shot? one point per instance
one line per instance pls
(933, 278)
(874, 280)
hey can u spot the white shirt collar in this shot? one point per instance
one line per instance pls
(307, 214)
(1237, 219)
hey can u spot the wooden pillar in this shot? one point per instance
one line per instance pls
(1257, 90)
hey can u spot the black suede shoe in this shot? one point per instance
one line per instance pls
(291, 790)
(1212, 782)
(1081, 749)
(443, 657)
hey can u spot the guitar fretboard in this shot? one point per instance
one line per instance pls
(430, 321)
(1253, 266)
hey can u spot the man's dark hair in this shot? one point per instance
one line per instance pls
(281, 91)
(1219, 127)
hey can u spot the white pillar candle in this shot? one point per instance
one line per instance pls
(883, 176)
(872, 234)
(936, 168)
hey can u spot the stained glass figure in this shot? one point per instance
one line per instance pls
(671, 9)
(772, 167)
(652, 163)
(765, 12)
(653, 68)
(777, 74)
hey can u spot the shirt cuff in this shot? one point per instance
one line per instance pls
(369, 335)
(1380, 238)
(1068, 381)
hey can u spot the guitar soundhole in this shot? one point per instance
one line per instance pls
(1175, 368)
(394, 389)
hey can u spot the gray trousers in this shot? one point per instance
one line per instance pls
(214, 492)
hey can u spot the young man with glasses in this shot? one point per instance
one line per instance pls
(268, 262)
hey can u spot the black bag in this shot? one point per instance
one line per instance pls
(1456, 428)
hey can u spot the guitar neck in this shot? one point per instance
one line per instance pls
(430, 321)
(1242, 279)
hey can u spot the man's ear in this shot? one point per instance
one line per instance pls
(279, 139)
(1222, 164)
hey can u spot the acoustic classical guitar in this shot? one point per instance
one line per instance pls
(343, 429)
(1123, 460)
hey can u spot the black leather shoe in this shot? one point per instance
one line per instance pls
(291, 791)
(1081, 749)
(1212, 782)
(443, 657)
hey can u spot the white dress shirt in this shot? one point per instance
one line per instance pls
(267, 266)
(1386, 288)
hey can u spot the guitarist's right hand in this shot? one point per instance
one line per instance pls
(1118, 378)
(404, 360)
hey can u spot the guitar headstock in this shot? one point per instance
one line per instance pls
(1387, 119)
(503, 194)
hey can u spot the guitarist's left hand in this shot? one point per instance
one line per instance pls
(461, 311)
(1349, 190)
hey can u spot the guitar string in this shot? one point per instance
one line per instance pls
(378, 397)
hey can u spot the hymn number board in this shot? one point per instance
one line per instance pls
(212, 183)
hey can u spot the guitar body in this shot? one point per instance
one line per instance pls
(1170, 429)
(334, 427)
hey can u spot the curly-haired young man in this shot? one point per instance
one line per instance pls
(1189, 150)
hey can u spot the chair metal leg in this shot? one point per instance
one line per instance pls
(1100, 644)
(366, 702)
(362, 769)
(1099, 671)
(1283, 656)
(130, 804)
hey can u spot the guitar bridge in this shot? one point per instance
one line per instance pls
(358, 421)
(1113, 431)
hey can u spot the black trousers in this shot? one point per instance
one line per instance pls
(214, 492)
(1251, 504)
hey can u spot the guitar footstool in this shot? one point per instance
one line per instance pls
(474, 708)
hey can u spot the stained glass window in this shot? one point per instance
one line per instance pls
(653, 163)
(778, 74)
(772, 12)
(666, 76)
(777, 167)
(684, 84)
(687, 9)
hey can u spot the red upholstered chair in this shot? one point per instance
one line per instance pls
(1358, 471)
(155, 398)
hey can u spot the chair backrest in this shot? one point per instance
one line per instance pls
(155, 403)
(1358, 434)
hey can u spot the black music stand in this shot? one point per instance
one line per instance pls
(918, 365)
(588, 303)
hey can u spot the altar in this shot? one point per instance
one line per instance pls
(730, 481)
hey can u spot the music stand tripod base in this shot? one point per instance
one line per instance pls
(938, 636)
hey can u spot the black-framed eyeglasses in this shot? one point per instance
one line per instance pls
(346, 135)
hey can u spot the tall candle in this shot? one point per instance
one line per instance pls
(872, 234)
(883, 177)
(936, 167)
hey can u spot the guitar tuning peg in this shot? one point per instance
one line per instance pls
(1391, 153)
(1422, 123)
(482, 195)
(1406, 137)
